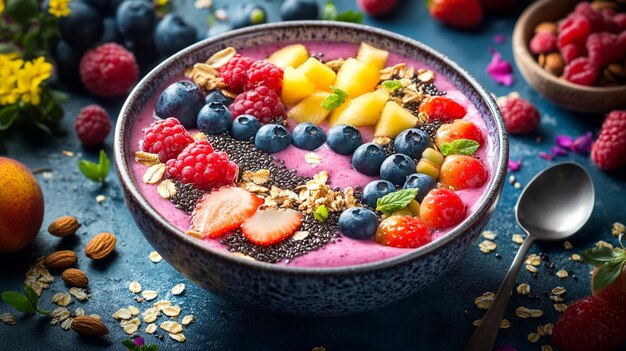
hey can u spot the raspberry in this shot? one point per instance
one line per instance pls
(520, 116)
(608, 151)
(611, 21)
(595, 19)
(574, 30)
(581, 71)
(108, 70)
(262, 103)
(602, 48)
(377, 7)
(542, 43)
(264, 73)
(620, 21)
(235, 72)
(570, 52)
(198, 164)
(92, 125)
(166, 137)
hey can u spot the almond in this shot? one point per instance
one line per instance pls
(75, 277)
(64, 226)
(60, 259)
(89, 326)
(100, 246)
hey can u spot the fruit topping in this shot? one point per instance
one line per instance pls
(308, 136)
(219, 97)
(433, 156)
(402, 232)
(462, 172)
(92, 125)
(289, 56)
(244, 127)
(272, 138)
(441, 208)
(396, 168)
(344, 139)
(368, 158)
(361, 111)
(235, 72)
(261, 102)
(181, 100)
(429, 168)
(458, 129)
(412, 142)
(200, 165)
(358, 223)
(375, 190)
(356, 78)
(214, 118)
(442, 108)
(520, 116)
(166, 138)
(393, 120)
(264, 73)
(295, 86)
(318, 73)
(423, 182)
(108, 70)
(608, 151)
(581, 71)
(271, 226)
(310, 109)
(223, 210)
(602, 48)
(371, 55)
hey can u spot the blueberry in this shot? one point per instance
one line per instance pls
(308, 136)
(173, 34)
(67, 60)
(98, 5)
(111, 34)
(376, 189)
(135, 20)
(293, 10)
(344, 139)
(367, 159)
(396, 168)
(358, 223)
(214, 118)
(245, 127)
(272, 138)
(182, 100)
(247, 15)
(412, 142)
(83, 27)
(421, 181)
(219, 97)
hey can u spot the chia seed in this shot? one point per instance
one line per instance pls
(431, 128)
(186, 197)
(427, 88)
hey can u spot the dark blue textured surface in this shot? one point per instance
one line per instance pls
(437, 318)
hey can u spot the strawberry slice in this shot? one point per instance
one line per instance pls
(223, 210)
(271, 226)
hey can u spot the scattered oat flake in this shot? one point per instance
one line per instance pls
(171, 311)
(154, 173)
(7, 318)
(525, 312)
(134, 287)
(477, 322)
(162, 303)
(100, 198)
(603, 243)
(178, 289)
(80, 294)
(300, 235)
(560, 307)
(500, 70)
(545, 329)
(518, 238)
(68, 153)
(147, 159)
(505, 324)
(67, 324)
(487, 246)
(618, 229)
(484, 301)
(531, 269)
(151, 328)
(546, 348)
(558, 291)
(203, 4)
(79, 312)
(60, 314)
(220, 14)
(514, 166)
(122, 313)
(134, 311)
(180, 337)
(488, 234)
(166, 189)
(188, 319)
(567, 245)
(556, 298)
(150, 315)
(517, 185)
(149, 295)
(312, 158)
(562, 274)
(155, 257)
(171, 327)
(533, 259)
(523, 289)
(130, 329)
(62, 299)
(533, 337)
(576, 257)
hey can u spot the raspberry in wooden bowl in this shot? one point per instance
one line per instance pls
(325, 162)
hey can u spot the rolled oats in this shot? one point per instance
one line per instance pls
(151, 328)
(62, 299)
(155, 257)
(178, 289)
(188, 319)
(80, 294)
(562, 274)
(523, 289)
(484, 301)
(7, 318)
(149, 295)
(134, 287)
(487, 246)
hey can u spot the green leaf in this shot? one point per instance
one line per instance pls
(130, 345)
(321, 214)
(334, 100)
(460, 147)
(392, 84)
(607, 274)
(395, 201)
(22, 11)
(7, 47)
(18, 301)
(350, 16)
(598, 256)
(151, 347)
(96, 172)
(329, 11)
(8, 115)
(31, 295)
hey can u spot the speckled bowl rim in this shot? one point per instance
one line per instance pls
(520, 45)
(487, 203)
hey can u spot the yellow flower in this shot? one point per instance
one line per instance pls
(1, 6)
(59, 8)
(158, 3)
(10, 64)
(29, 80)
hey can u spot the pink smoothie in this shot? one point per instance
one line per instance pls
(348, 251)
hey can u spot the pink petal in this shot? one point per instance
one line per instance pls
(564, 141)
(499, 38)
(500, 70)
(545, 156)
(558, 151)
(139, 341)
(582, 144)
(515, 166)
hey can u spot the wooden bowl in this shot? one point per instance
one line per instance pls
(568, 95)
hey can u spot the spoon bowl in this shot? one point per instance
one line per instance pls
(556, 203)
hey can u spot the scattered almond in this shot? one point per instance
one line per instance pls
(64, 226)
(89, 326)
(75, 277)
(60, 259)
(100, 246)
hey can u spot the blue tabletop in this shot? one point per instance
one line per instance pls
(439, 317)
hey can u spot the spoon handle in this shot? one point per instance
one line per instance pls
(485, 335)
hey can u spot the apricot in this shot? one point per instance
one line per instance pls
(21, 206)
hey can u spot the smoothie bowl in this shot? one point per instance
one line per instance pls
(311, 168)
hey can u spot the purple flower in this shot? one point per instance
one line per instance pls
(545, 156)
(515, 166)
(500, 71)
(558, 151)
(499, 38)
(139, 341)
(564, 141)
(582, 144)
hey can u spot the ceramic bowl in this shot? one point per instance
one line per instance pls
(568, 95)
(307, 291)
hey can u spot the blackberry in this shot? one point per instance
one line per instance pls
(186, 197)
(431, 128)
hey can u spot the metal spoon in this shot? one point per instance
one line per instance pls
(554, 205)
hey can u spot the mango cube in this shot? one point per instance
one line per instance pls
(361, 111)
(296, 86)
(356, 78)
(289, 56)
(393, 120)
(372, 56)
(310, 109)
(320, 74)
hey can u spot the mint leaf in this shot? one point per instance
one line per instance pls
(392, 84)
(31, 295)
(329, 11)
(350, 16)
(607, 274)
(321, 214)
(395, 201)
(597, 256)
(130, 345)
(18, 301)
(96, 172)
(335, 99)
(460, 147)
